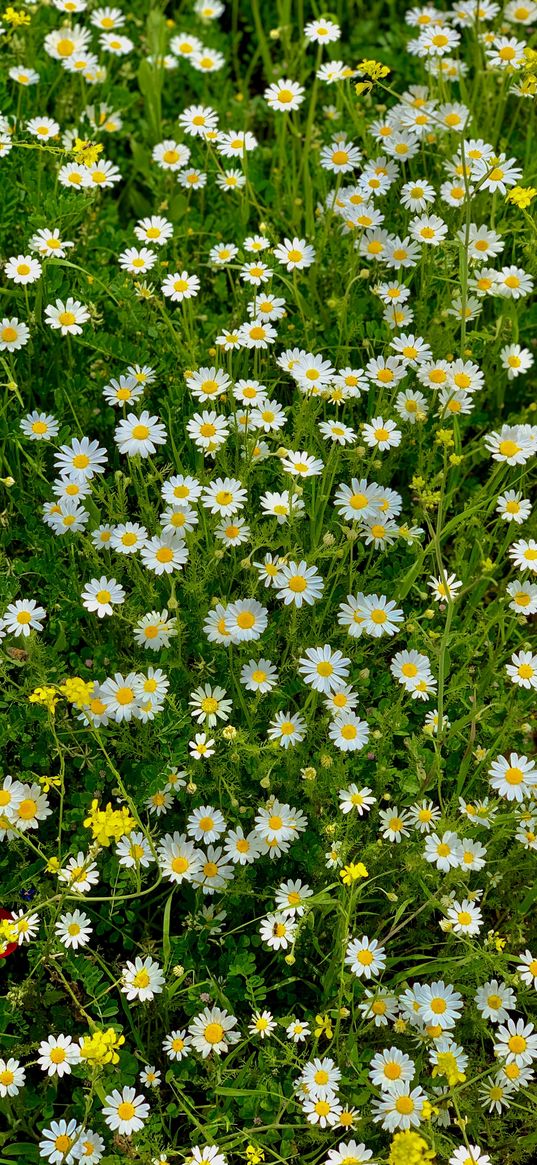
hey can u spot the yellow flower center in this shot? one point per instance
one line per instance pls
(213, 1033)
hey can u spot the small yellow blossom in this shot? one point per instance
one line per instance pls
(46, 696)
(254, 1155)
(87, 152)
(108, 824)
(352, 872)
(52, 866)
(48, 783)
(323, 1027)
(408, 1148)
(8, 934)
(16, 19)
(77, 691)
(446, 1065)
(101, 1047)
(522, 196)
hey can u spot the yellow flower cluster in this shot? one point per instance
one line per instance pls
(254, 1155)
(409, 1148)
(108, 824)
(522, 196)
(446, 1065)
(46, 696)
(323, 1027)
(87, 152)
(101, 1047)
(352, 872)
(8, 934)
(77, 691)
(15, 18)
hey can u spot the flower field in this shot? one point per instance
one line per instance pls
(268, 805)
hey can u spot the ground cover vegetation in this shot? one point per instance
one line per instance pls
(268, 811)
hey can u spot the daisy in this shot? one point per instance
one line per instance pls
(348, 732)
(139, 435)
(155, 230)
(524, 596)
(365, 957)
(495, 1000)
(324, 1111)
(515, 360)
(446, 588)
(164, 553)
(224, 496)
(301, 464)
(137, 260)
(278, 931)
(25, 812)
(201, 747)
(381, 434)
(155, 630)
(177, 1045)
(206, 824)
(291, 896)
(13, 334)
(465, 917)
(22, 269)
(323, 669)
(180, 285)
(67, 317)
(40, 425)
(284, 96)
(212, 1031)
(255, 273)
(142, 979)
(294, 254)
(516, 1042)
(524, 554)
(12, 1077)
(170, 156)
(469, 1155)
(121, 696)
(60, 1142)
(391, 1067)
(298, 583)
(82, 459)
(241, 850)
(80, 873)
(439, 1003)
(125, 1112)
(100, 595)
(21, 618)
(246, 620)
(443, 852)
(259, 676)
(262, 1024)
(513, 778)
(394, 824)
(209, 705)
(379, 1005)
(56, 1054)
(73, 929)
(523, 669)
(297, 1031)
(287, 728)
(355, 798)
(133, 851)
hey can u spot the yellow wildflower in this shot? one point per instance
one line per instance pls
(48, 783)
(11, 16)
(77, 691)
(408, 1148)
(46, 696)
(254, 1155)
(446, 1065)
(352, 872)
(108, 824)
(8, 934)
(323, 1026)
(101, 1047)
(87, 152)
(52, 866)
(522, 196)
